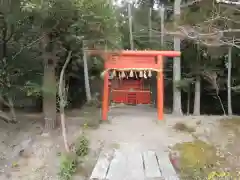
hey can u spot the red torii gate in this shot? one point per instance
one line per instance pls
(126, 60)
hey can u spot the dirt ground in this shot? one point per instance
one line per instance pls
(27, 153)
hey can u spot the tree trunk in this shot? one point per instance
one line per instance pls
(221, 103)
(189, 99)
(162, 12)
(4, 116)
(49, 86)
(229, 84)
(177, 104)
(150, 25)
(86, 77)
(197, 97)
(49, 96)
(130, 26)
(12, 110)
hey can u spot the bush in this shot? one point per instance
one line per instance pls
(82, 146)
(70, 161)
(68, 166)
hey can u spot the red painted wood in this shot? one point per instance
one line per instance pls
(150, 53)
(131, 60)
(105, 101)
(129, 91)
(135, 53)
(123, 62)
(134, 97)
(160, 90)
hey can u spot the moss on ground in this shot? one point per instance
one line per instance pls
(232, 124)
(91, 116)
(197, 159)
(181, 126)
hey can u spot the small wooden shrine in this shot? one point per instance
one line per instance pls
(130, 87)
(129, 71)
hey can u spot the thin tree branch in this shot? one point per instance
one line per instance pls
(183, 5)
(26, 47)
(228, 2)
(62, 94)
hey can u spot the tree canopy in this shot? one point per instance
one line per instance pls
(36, 33)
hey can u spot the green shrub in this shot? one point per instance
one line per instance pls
(68, 166)
(82, 146)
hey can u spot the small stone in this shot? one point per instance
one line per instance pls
(45, 135)
(170, 146)
(198, 122)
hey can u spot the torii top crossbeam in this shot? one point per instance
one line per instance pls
(137, 53)
(133, 59)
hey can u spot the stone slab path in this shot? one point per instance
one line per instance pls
(133, 165)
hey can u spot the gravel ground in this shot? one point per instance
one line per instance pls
(137, 127)
(133, 127)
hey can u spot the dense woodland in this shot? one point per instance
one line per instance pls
(39, 39)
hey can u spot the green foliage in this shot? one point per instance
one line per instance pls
(69, 161)
(82, 146)
(35, 89)
(68, 166)
(32, 89)
(18, 65)
(100, 25)
(185, 83)
(19, 76)
(183, 127)
(24, 23)
(236, 88)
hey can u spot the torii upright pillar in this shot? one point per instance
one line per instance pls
(105, 101)
(160, 89)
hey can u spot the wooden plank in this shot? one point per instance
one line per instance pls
(117, 169)
(102, 166)
(135, 170)
(166, 167)
(152, 170)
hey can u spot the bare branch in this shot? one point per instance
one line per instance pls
(26, 47)
(62, 96)
(230, 2)
(184, 5)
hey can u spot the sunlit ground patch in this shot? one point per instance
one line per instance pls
(198, 159)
